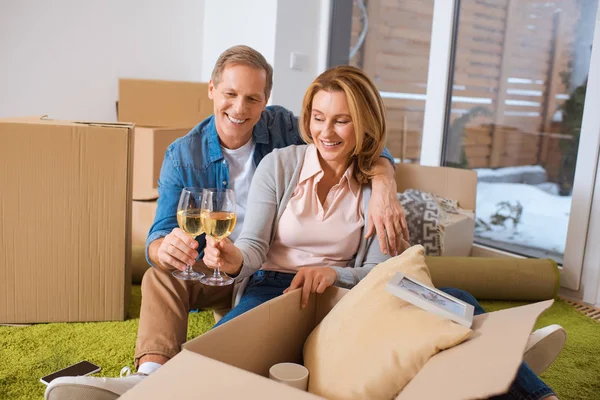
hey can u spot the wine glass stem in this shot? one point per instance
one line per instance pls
(217, 271)
(189, 269)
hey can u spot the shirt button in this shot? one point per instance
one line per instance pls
(224, 161)
(224, 183)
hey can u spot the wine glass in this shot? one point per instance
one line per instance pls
(218, 221)
(189, 220)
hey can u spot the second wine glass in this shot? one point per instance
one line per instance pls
(218, 220)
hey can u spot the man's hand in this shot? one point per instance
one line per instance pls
(385, 212)
(224, 255)
(312, 280)
(175, 251)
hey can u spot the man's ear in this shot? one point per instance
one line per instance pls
(211, 89)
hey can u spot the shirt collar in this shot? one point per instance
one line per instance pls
(260, 134)
(260, 131)
(352, 182)
(312, 167)
(212, 142)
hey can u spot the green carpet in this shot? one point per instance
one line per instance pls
(28, 353)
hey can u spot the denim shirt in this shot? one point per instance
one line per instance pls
(196, 160)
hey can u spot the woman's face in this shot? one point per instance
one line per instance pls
(332, 129)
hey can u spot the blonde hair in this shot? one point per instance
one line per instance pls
(243, 55)
(366, 110)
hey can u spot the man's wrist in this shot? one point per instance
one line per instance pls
(382, 180)
(153, 252)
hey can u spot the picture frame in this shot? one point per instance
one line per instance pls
(431, 299)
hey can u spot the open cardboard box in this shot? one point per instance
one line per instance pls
(232, 361)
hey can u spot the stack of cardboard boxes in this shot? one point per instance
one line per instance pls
(162, 112)
(69, 194)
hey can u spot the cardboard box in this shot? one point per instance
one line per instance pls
(158, 103)
(65, 216)
(150, 145)
(459, 231)
(142, 215)
(232, 361)
(451, 183)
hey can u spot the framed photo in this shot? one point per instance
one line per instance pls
(431, 299)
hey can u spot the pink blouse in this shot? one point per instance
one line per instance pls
(314, 234)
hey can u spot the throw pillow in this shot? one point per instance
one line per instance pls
(371, 344)
(422, 215)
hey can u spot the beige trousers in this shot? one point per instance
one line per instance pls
(166, 302)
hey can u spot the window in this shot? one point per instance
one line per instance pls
(518, 90)
(390, 41)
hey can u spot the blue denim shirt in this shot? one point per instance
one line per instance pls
(196, 160)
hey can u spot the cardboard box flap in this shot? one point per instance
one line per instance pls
(273, 343)
(179, 379)
(483, 366)
(452, 183)
(106, 124)
(44, 120)
(33, 118)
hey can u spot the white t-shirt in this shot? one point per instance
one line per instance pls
(241, 170)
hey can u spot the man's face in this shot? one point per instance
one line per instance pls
(239, 99)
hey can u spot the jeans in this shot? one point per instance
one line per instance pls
(527, 385)
(266, 285)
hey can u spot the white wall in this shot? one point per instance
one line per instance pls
(275, 28)
(233, 22)
(302, 28)
(64, 57)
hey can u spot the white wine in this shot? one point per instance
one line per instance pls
(218, 224)
(190, 221)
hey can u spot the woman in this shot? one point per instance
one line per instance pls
(308, 207)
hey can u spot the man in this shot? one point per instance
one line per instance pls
(222, 151)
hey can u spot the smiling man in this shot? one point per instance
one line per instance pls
(221, 152)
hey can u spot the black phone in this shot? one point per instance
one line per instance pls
(80, 369)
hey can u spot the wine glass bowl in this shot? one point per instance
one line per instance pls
(189, 219)
(218, 221)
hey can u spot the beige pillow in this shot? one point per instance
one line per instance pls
(371, 344)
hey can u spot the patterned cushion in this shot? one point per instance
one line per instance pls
(423, 212)
(422, 217)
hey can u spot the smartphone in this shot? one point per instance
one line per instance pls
(80, 369)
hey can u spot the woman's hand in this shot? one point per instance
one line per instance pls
(312, 280)
(224, 255)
